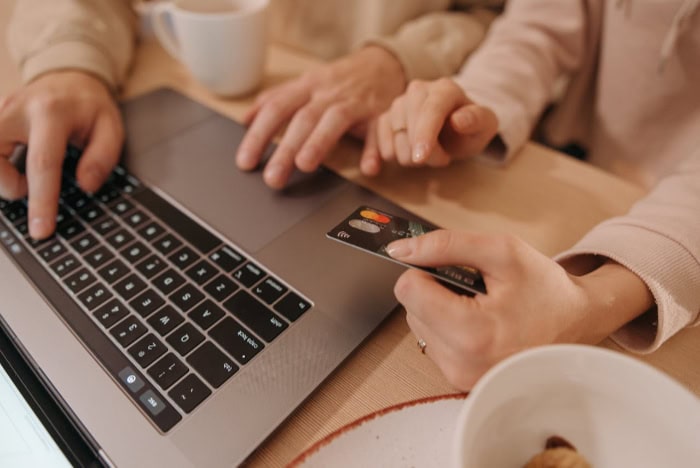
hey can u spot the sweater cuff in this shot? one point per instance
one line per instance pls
(669, 270)
(417, 63)
(70, 55)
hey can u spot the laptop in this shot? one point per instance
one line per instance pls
(184, 311)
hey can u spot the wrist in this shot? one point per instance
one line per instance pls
(614, 296)
(386, 64)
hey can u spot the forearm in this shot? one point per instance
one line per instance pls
(96, 37)
(614, 297)
(658, 240)
(436, 45)
(514, 71)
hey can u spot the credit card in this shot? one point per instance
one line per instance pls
(371, 230)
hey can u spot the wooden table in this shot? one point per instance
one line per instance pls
(546, 198)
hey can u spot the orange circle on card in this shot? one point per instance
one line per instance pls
(374, 216)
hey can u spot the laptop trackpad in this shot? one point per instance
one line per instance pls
(197, 169)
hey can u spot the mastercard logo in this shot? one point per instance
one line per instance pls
(374, 216)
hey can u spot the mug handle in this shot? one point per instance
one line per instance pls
(163, 30)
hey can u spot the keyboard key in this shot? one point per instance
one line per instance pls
(107, 193)
(151, 266)
(227, 258)
(221, 288)
(70, 229)
(200, 238)
(249, 274)
(128, 330)
(183, 258)
(202, 272)
(167, 244)
(146, 303)
(135, 252)
(91, 213)
(255, 315)
(186, 297)
(15, 211)
(84, 243)
(99, 257)
(23, 228)
(78, 200)
(167, 371)
(114, 271)
(292, 306)
(120, 239)
(168, 281)
(105, 225)
(124, 181)
(165, 320)
(151, 231)
(212, 364)
(206, 314)
(65, 265)
(136, 218)
(111, 312)
(147, 350)
(52, 251)
(94, 296)
(185, 338)
(121, 206)
(189, 393)
(269, 290)
(79, 280)
(129, 286)
(236, 340)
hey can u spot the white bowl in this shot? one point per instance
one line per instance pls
(617, 411)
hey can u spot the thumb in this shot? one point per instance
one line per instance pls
(472, 119)
(451, 248)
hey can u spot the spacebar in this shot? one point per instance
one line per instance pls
(192, 231)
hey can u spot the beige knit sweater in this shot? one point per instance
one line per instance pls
(431, 38)
(634, 100)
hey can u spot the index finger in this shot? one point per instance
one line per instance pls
(45, 153)
(431, 119)
(267, 120)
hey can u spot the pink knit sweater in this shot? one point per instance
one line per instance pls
(633, 100)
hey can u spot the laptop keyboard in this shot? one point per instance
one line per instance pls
(169, 309)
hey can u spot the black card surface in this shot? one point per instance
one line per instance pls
(372, 230)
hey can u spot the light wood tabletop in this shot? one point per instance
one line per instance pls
(546, 198)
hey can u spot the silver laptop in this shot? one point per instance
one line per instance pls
(185, 310)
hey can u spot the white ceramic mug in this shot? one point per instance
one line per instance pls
(221, 42)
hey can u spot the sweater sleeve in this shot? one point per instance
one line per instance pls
(95, 36)
(436, 44)
(515, 70)
(659, 240)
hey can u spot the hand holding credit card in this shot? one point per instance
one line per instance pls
(372, 230)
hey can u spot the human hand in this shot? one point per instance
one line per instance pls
(531, 301)
(431, 124)
(47, 114)
(320, 106)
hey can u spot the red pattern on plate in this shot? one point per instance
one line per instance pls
(358, 422)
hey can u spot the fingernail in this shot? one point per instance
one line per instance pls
(398, 248)
(245, 160)
(94, 178)
(273, 175)
(466, 119)
(420, 152)
(39, 227)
